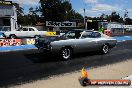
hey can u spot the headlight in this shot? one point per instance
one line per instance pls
(49, 46)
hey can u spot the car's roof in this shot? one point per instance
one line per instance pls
(82, 30)
(78, 30)
(28, 27)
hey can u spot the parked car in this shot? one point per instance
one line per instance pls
(25, 32)
(76, 41)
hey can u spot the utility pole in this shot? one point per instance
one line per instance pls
(84, 19)
(125, 16)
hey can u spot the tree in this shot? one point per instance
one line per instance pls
(128, 21)
(32, 16)
(18, 9)
(51, 9)
(114, 17)
(58, 10)
(20, 13)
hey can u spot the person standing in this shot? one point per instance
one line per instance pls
(101, 29)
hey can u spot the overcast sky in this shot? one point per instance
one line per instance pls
(93, 7)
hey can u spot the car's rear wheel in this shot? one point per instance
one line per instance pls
(66, 53)
(40, 50)
(37, 36)
(13, 36)
(105, 49)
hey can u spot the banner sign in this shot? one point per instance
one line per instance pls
(10, 42)
(6, 2)
(30, 41)
(50, 33)
(60, 24)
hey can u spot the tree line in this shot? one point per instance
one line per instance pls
(48, 10)
(60, 10)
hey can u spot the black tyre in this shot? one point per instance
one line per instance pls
(40, 50)
(105, 49)
(12, 36)
(66, 53)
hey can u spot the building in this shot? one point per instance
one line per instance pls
(115, 27)
(95, 23)
(8, 16)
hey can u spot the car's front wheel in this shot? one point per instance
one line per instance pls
(105, 49)
(40, 50)
(66, 53)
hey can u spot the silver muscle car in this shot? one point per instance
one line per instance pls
(76, 41)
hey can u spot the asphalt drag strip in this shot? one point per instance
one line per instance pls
(25, 66)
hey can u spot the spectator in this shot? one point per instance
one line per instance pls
(101, 29)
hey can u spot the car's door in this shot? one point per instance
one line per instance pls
(90, 41)
(96, 41)
(84, 43)
(21, 32)
(24, 32)
(32, 32)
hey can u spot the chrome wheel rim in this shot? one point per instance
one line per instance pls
(105, 49)
(66, 53)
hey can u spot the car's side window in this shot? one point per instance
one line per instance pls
(25, 29)
(96, 35)
(31, 29)
(87, 35)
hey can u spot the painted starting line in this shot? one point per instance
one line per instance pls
(17, 48)
(28, 47)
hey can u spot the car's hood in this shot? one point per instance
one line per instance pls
(53, 38)
(40, 42)
(49, 39)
